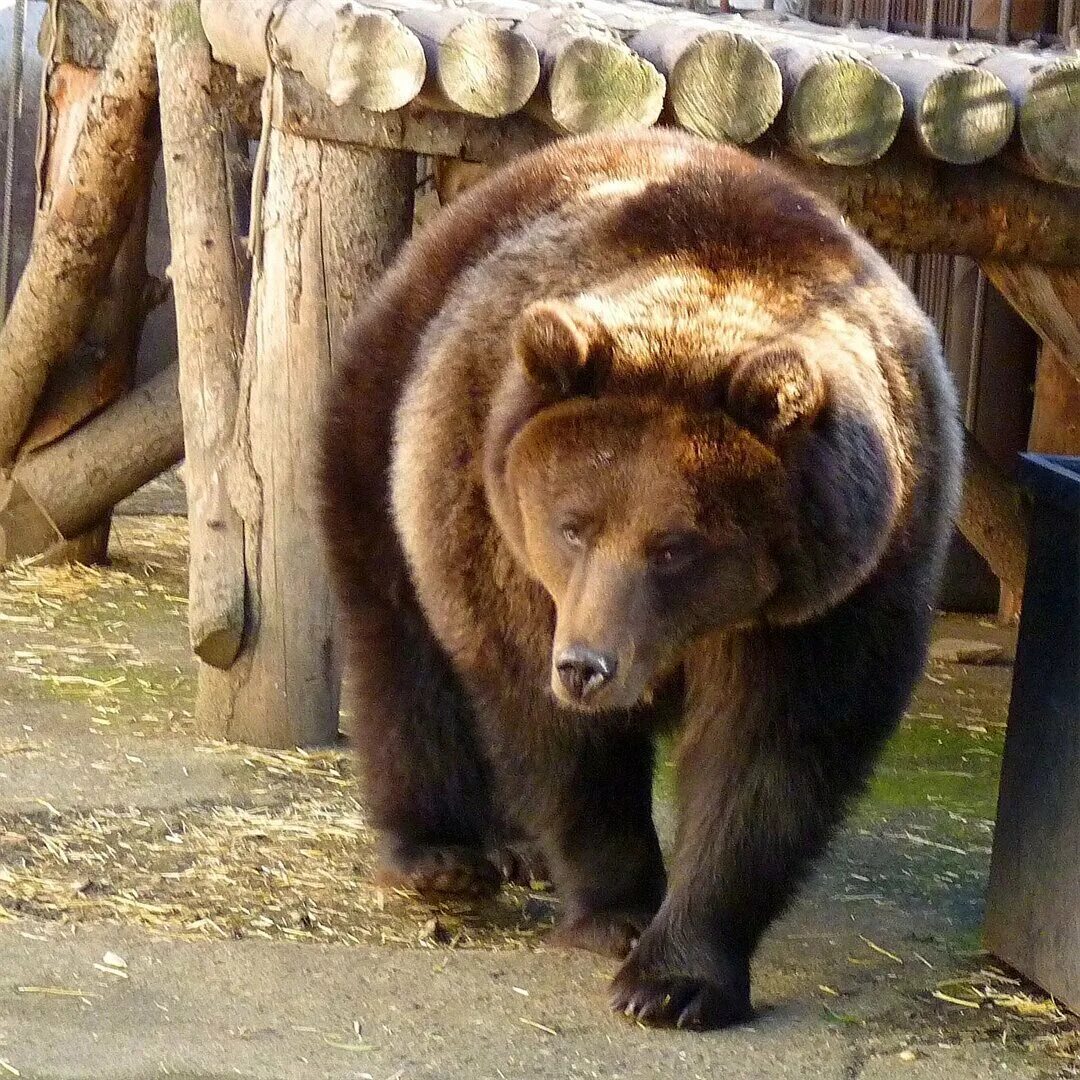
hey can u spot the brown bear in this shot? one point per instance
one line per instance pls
(638, 436)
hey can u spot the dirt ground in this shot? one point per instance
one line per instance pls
(174, 906)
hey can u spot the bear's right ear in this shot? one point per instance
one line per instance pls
(773, 391)
(562, 348)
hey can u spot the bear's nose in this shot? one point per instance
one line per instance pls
(583, 671)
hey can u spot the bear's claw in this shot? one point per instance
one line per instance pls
(678, 1001)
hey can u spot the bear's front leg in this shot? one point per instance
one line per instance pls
(590, 804)
(766, 770)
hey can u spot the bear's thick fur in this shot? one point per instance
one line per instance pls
(637, 436)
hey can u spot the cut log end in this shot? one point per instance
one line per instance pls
(597, 85)
(725, 87)
(486, 70)
(375, 62)
(843, 112)
(218, 646)
(965, 117)
(1049, 122)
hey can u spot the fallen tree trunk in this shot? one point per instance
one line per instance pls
(60, 491)
(209, 324)
(71, 255)
(993, 517)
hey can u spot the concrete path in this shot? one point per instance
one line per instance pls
(118, 827)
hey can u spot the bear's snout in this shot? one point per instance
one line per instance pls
(583, 671)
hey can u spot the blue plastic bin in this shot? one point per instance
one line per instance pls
(1033, 908)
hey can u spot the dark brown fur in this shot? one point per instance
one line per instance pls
(640, 396)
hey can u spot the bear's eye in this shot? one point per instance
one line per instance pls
(675, 552)
(571, 533)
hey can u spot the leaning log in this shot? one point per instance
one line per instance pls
(209, 324)
(347, 51)
(474, 65)
(720, 84)
(590, 80)
(58, 492)
(993, 518)
(1048, 299)
(73, 251)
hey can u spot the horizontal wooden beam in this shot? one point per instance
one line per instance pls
(902, 203)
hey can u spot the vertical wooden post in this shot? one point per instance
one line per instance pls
(1055, 420)
(332, 217)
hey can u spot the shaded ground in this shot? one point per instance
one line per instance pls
(170, 906)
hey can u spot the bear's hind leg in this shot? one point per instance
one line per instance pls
(426, 780)
(590, 805)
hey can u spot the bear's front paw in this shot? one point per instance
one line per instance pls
(432, 870)
(668, 999)
(610, 933)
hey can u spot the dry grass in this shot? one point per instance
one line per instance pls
(299, 867)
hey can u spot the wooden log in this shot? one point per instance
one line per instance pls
(102, 366)
(60, 491)
(983, 211)
(1055, 418)
(838, 109)
(347, 51)
(1044, 87)
(961, 115)
(474, 65)
(73, 251)
(901, 202)
(720, 84)
(993, 518)
(332, 218)
(590, 80)
(209, 324)
(1048, 299)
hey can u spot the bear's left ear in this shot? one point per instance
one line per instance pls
(563, 348)
(773, 390)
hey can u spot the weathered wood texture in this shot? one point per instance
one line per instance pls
(63, 489)
(1044, 86)
(332, 218)
(720, 84)
(209, 323)
(590, 80)
(992, 517)
(838, 109)
(345, 50)
(1055, 419)
(1048, 299)
(474, 65)
(72, 252)
(985, 211)
(102, 367)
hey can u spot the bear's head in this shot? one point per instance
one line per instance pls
(656, 513)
